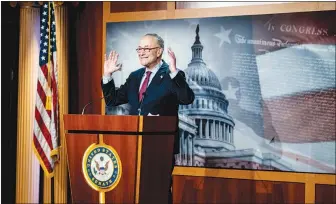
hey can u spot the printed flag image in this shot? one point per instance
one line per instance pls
(264, 88)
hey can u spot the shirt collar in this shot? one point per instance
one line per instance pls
(155, 69)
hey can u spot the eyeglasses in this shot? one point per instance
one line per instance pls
(146, 49)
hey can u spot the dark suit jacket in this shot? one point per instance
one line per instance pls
(163, 95)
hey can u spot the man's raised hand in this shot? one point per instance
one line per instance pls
(172, 60)
(110, 63)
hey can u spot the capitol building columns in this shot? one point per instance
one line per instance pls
(187, 131)
(186, 149)
(179, 159)
(214, 130)
(190, 150)
(226, 132)
(207, 136)
(200, 132)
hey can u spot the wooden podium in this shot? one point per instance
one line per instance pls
(144, 144)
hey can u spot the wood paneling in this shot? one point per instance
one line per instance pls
(129, 6)
(215, 12)
(119, 123)
(126, 147)
(280, 176)
(156, 162)
(162, 124)
(309, 179)
(254, 9)
(81, 191)
(101, 123)
(190, 4)
(152, 159)
(188, 189)
(325, 193)
(86, 57)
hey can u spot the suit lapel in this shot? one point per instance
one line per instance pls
(160, 74)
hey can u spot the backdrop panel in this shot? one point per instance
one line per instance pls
(264, 86)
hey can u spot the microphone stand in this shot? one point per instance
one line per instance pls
(91, 103)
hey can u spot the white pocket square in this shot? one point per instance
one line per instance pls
(149, 114)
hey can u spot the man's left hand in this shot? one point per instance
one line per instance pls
(172, 61)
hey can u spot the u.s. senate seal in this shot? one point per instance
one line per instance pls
(101, 167)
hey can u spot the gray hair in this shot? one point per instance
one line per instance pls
(158, 38)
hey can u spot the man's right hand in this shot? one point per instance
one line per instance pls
(110, 64)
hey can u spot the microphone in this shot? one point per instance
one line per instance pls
(92, 102)
(140, 106)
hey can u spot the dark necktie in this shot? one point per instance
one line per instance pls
(144, 85)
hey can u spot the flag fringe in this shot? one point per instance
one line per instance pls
(45, 170)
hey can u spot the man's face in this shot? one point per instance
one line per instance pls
(149, 51)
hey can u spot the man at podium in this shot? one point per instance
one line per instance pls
(155, 89)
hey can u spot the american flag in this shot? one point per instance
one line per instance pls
(46, 123)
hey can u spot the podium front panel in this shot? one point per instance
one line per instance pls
(126, 147)
(77, 144)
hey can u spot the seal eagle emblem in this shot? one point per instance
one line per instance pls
(101, 167)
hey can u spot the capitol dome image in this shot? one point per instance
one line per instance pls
(214, 126)
(206, 128)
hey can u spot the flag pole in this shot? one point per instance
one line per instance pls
(52, 196)
(41, 185)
